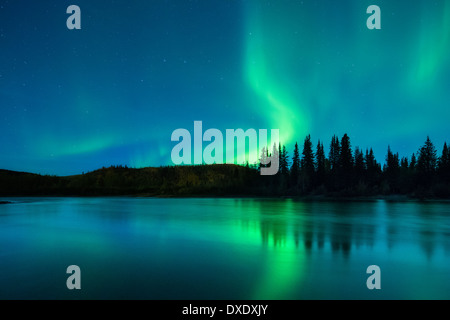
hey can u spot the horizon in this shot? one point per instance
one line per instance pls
(112, 92)
(289, 153)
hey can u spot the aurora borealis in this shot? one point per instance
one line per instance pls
(114, 91)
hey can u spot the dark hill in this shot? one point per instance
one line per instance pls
(117, 180)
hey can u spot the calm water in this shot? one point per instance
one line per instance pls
(130, 248)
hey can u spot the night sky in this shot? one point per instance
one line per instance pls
(113, 92)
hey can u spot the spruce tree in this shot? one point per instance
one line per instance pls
(360, 167)
(392, 162)
(427, 158)
(334, 153)
(426, 163)
(444, 164)
(320, 164)
(391, 170)
(372, 168)
(334, 162)
(284, 166)
(413, 163)
(263, 158)
(295, 168)
(345, 163)
(404, 163)
(307, 163)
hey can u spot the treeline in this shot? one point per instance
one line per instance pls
(340, 171)
(348, 172)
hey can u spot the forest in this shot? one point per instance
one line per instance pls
(308, 171)
(351, 173)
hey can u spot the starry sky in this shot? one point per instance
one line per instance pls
(113, 92)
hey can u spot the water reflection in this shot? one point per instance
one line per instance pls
(226, 248)
(344, 226)
(424, 223)
(312, 226)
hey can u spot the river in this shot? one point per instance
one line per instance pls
(220, 248)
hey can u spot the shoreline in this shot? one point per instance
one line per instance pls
(312, 198)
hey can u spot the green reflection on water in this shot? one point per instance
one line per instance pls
(224, 248)
(267, 224)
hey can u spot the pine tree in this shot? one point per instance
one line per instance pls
(284, 165)
(320, 164)
(279, 156)
(307, 163)
(404, 163)
(392, 162)
(360, 166)
(334, 162)
(263, 158)
(413, 163)
(334, 153)
(391, 171)
(427, 158)
(426, 163)
(372, 168)
(275, 155)
(370, 159)
(444, 164)
(295, 168)
(405, 179)
(345, 163)
(275, 151)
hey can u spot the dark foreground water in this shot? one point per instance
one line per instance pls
(130, 248)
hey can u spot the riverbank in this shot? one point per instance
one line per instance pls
(203, 181)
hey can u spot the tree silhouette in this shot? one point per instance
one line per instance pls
(284, 161)
(413, 163)
(320, 165)
(345, 163)
(307, 164)
(334, 162)
(444, 164)
(426, 163)
(283, 174)
(360, 166)
(343, 173)
(334, 153)
(263, 160)
(392, 171)
(295, 168)
(372, 169)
